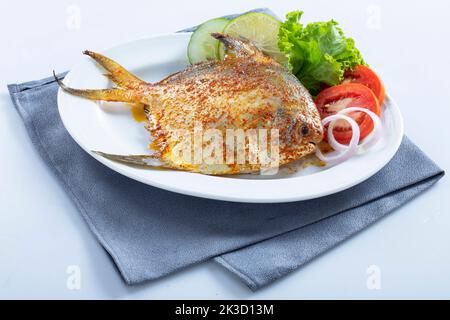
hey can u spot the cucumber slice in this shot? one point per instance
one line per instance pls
(260, 28)
(202, 45)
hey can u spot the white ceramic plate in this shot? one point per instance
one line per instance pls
(110, 128)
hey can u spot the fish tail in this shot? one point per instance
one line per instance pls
(113, 95)
(116, 73)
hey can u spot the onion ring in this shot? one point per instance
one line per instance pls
(369, 141)
(350, 150)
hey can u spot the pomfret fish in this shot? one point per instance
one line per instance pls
(246, 92)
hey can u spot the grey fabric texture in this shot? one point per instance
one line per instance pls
(150, 233)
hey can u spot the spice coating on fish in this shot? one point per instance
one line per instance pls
(245, 92)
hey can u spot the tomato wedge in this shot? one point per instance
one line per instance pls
(334, 99)
(367, 77)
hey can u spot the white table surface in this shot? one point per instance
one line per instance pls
(42, 234)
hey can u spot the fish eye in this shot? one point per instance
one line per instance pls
(304, 130)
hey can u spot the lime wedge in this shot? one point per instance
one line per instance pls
(260, 28)
(202, 45)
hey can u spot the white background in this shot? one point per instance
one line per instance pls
(41, 232)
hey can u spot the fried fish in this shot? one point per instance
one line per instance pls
(246, 92)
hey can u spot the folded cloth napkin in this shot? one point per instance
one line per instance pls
(150, 232)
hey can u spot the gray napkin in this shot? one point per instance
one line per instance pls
(150, 232)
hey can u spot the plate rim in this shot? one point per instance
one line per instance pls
(123, 169)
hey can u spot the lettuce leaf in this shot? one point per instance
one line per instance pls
(318, 53)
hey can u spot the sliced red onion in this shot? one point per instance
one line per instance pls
(368, 141)
(350, 150)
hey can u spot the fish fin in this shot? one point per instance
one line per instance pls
(152, 161)
(113, 95)
(241, 47)
(116, 73)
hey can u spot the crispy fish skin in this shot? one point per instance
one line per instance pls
(247, 90)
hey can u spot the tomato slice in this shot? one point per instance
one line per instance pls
(367, 77)
(334, 99)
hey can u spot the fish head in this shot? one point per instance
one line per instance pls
(307, 130)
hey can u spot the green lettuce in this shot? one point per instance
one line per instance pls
(318, 53)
